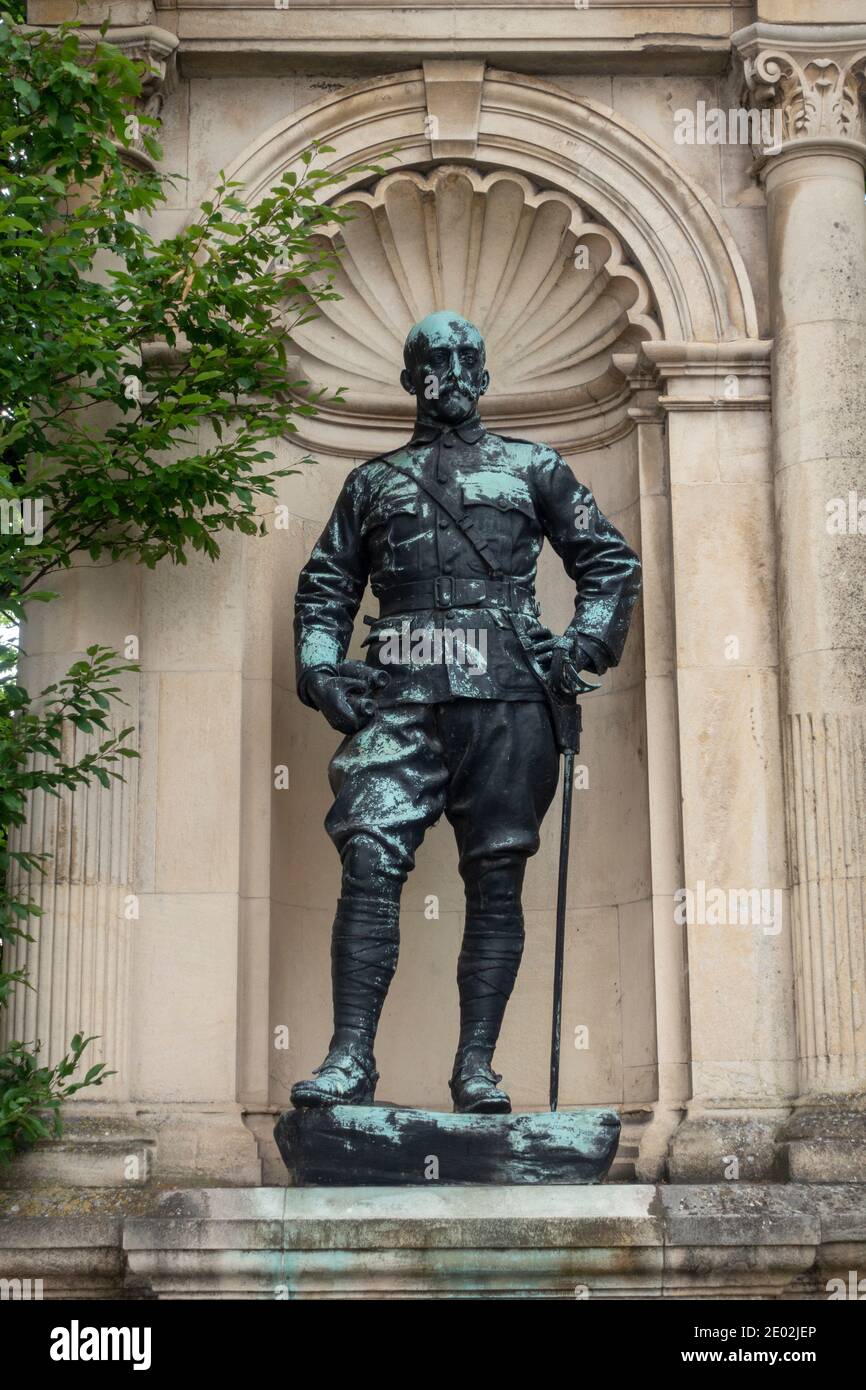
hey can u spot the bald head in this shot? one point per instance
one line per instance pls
(444, 367)
(443, 328)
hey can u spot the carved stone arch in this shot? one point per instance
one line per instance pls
(670, 227)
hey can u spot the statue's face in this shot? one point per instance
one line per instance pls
(444, 357)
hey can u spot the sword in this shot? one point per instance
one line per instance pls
(566, 718)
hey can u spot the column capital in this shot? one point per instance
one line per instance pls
(143, 43)
(157, 49)
(812, 75)
(645, 384)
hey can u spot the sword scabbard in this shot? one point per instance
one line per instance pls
(561, 898)
(566, 718)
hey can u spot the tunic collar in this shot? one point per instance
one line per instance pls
(469, 432)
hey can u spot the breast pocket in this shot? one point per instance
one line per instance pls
(393, 534)
(504, 523)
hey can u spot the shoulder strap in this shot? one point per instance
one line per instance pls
(452, 509)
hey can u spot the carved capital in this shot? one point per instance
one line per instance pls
(813, 76)
(157, 49)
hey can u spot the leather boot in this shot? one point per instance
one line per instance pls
(486, 971)
(347, 1076)
(364, 946)
(473, 1086)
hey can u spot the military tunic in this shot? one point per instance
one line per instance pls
(431, 579)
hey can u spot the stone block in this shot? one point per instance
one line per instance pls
(381, 1145)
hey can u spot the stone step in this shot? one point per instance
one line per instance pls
(92, 1152)
(620, 1241)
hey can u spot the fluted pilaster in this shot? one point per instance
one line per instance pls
(79, 961)
(825, 766)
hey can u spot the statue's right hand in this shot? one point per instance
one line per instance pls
(345, 699)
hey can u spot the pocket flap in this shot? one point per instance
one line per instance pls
(503, 501)
(386, 509)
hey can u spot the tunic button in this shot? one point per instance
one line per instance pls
(443, 525)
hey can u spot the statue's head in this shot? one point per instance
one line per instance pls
(444, 357)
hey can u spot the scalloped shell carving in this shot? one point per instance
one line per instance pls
(552, 292)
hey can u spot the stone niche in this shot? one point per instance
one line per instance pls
(551, 290)
(608, 288)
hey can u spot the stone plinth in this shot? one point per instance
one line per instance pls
(378, 1145)
(729, 1241)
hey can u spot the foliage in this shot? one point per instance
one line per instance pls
(31, 1095)
(143, 382)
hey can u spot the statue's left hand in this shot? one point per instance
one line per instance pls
(562, 659)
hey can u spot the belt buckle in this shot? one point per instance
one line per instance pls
(443, 590)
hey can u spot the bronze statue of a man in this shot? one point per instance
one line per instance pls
(451, 710)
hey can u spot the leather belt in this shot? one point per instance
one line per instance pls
(452, 591)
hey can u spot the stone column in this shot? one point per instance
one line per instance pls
(813, 80)
(78, 964)
(670, 971)
(732, 903)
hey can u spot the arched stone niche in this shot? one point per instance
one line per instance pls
(488, 119)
